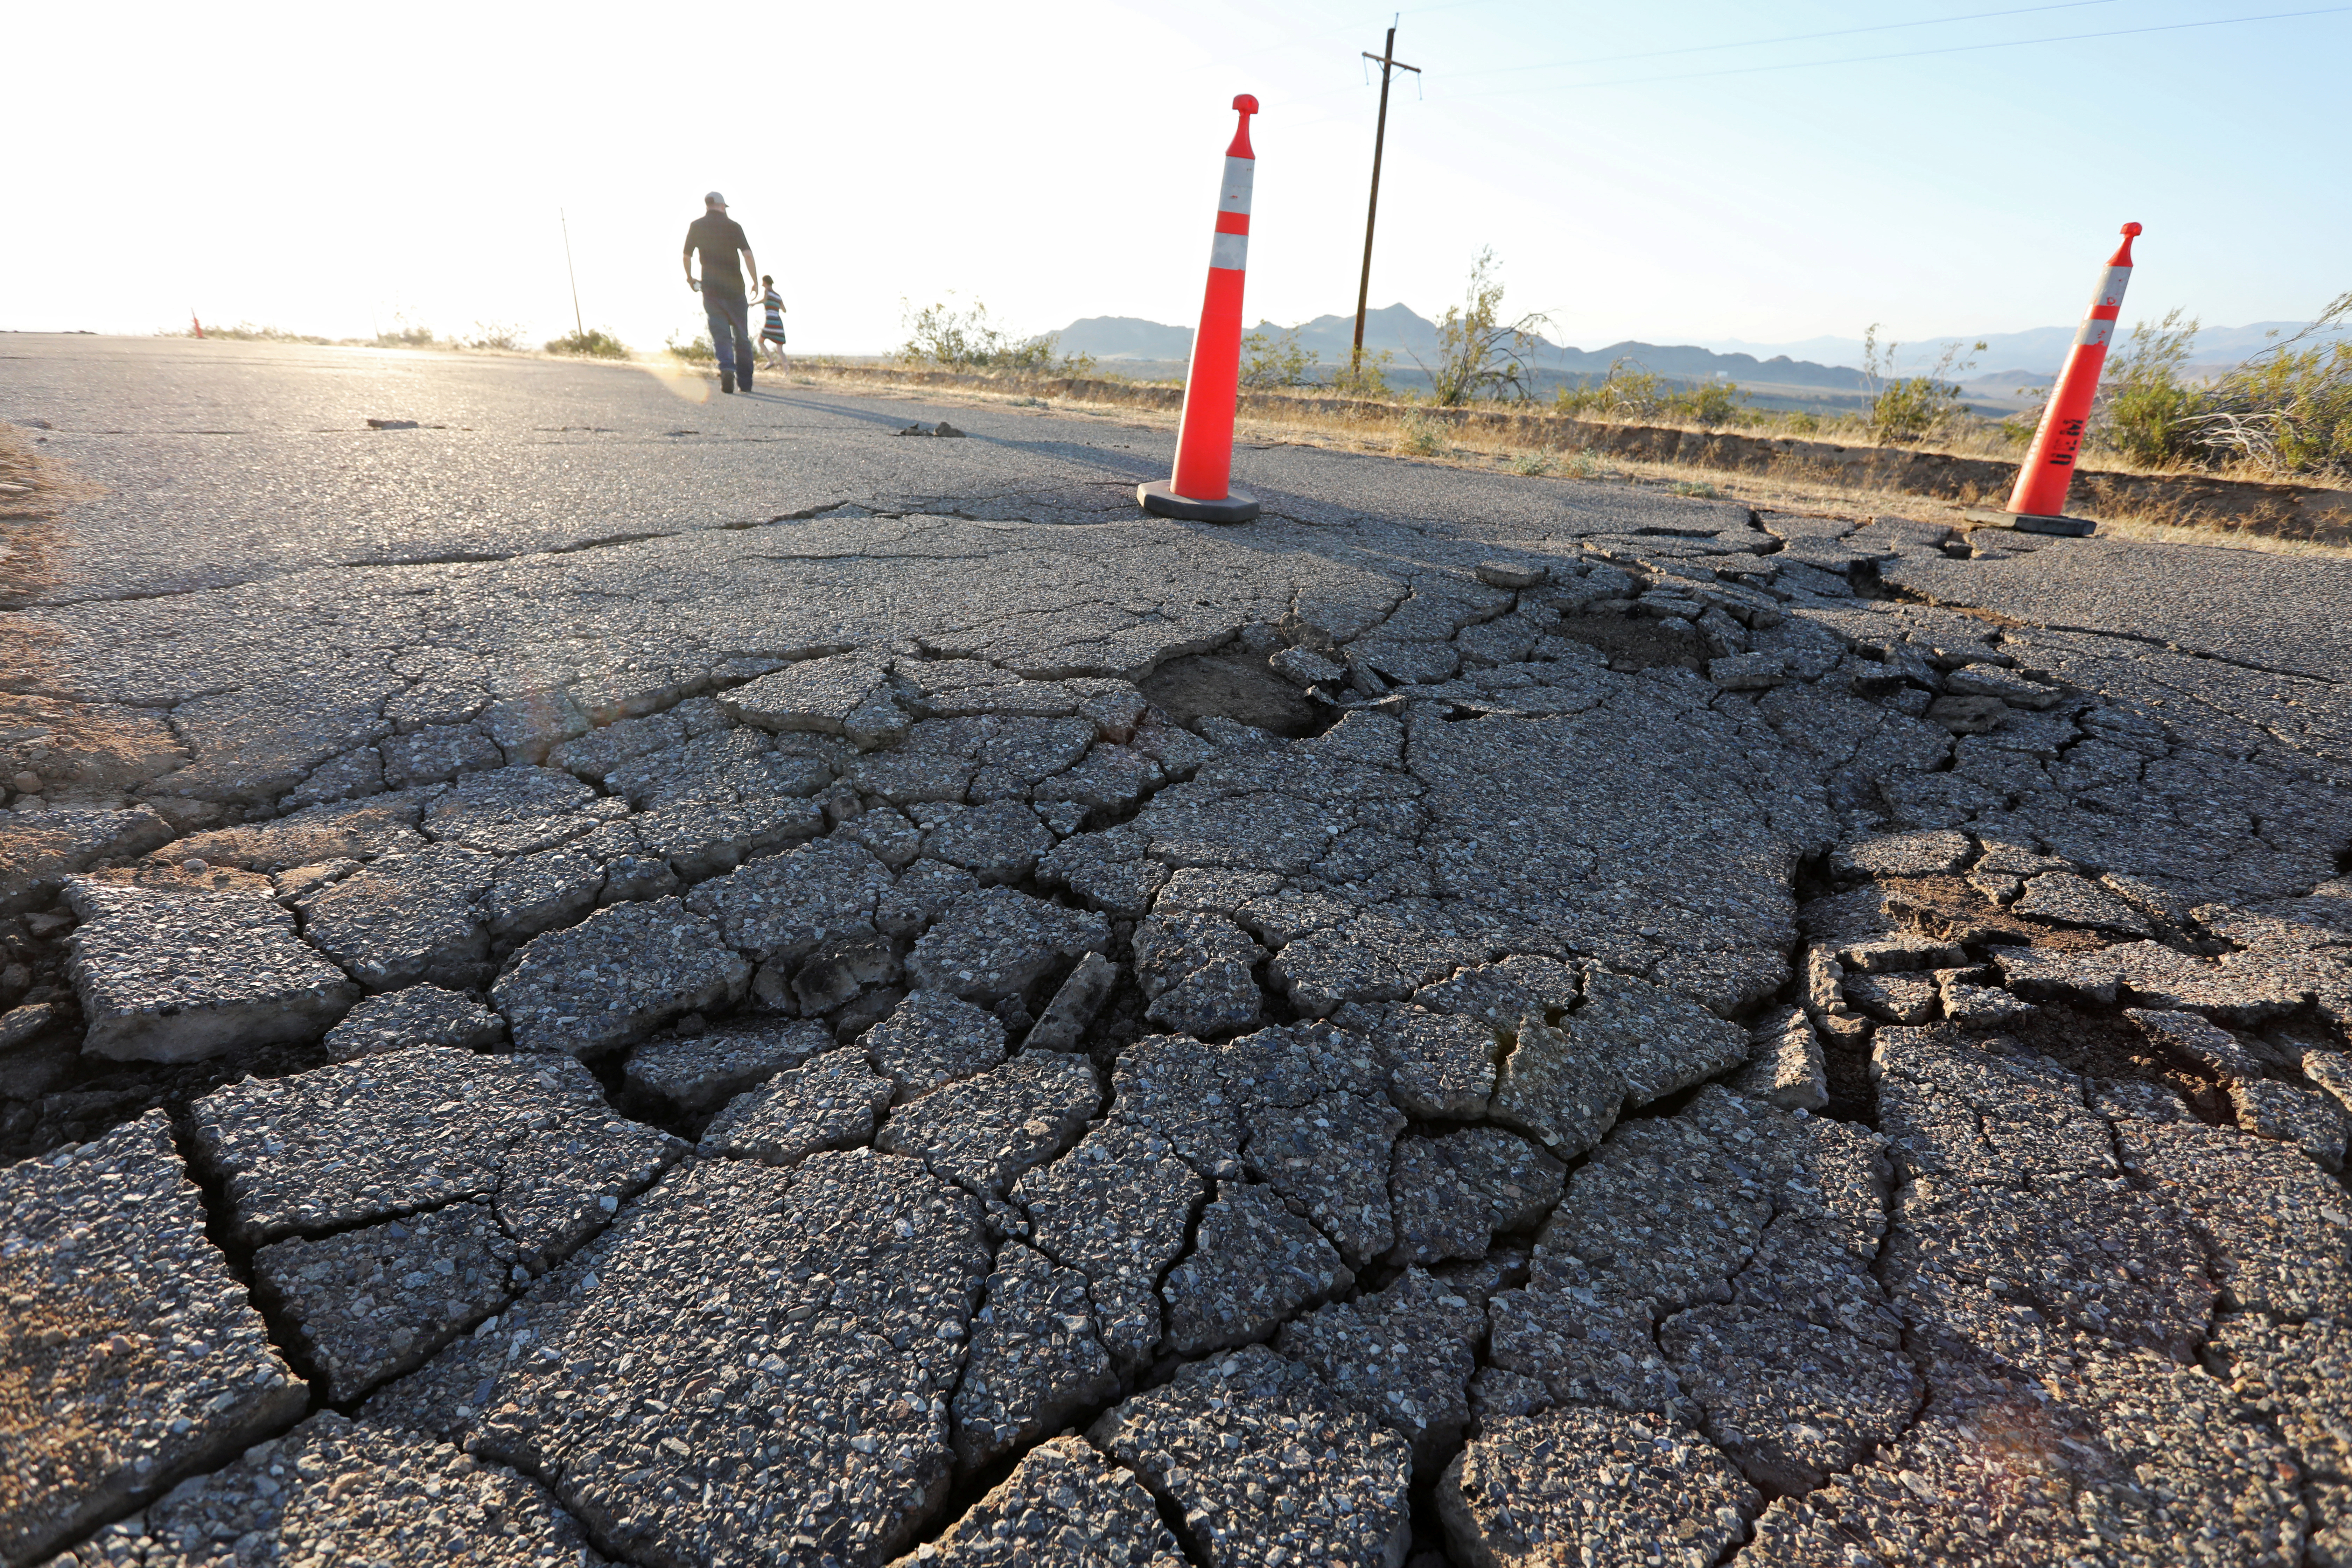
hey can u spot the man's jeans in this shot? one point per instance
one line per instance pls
(730, 336)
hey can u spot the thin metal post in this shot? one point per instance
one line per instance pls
(579, 328)
(1387, 58)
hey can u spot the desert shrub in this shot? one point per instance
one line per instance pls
(1420, 434)
(1627, 394)
(941, 334)
(1479, 352)
(1366, 377)
(496, 335)
(2144, 405)
(597, 345)
(696, 351)
(1531, 464)
(2286, 411)
(1910, 408)
(1699, 489)
(1709, 404)
(1278, 362)
(245, 332)
(403, 336)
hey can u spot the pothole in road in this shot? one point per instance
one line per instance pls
(1240, 686)
(1632, 643)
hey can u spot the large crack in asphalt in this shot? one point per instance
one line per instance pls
(971, 1488)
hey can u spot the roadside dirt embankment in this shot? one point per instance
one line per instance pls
(2277, 510)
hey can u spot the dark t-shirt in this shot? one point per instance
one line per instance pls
(718, 237)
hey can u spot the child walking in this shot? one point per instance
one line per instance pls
(771, 335)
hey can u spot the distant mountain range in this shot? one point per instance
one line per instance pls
(1413, 339)
(1830, 363)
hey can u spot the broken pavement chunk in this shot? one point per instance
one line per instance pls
(999, 843)
(407, 918)
(1117, 1209)
(38, 852)
(360, 830)
(1455, 1191)
(700, 1072)
(1035, 1360)
(1789, 1070)
(996, 943)
(1254, 1264)
(514, 811)
(532, 893)
(372, 1303)
(932, 1038)
(840, 969)
(1935, 853)
(817, 694)
(700, 839)
(830, 1101)
(2277, 1225)
(175, 977)
(1606, 1488)
(1402, 1357)
(394, 1134)
(2062, 897)
(1655, 1040)
(615, 977)
(415, 1016)
(1196, 968)
(1063, 1026)
(2291, 1114)
(844, 1284)
(1255, 1451)
(1330, 1157)
(1108, 869)
(1552, 1087)
(1440, 1067)
(781, 906)
(110, 1281)
(1791, 1401)
(1062, 1503)
(982, 1131)
(333, 1491)
(2196, 1039)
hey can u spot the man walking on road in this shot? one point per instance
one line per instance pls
(718, 237)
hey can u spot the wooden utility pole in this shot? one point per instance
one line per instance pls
(580, 327)
(1388, 62)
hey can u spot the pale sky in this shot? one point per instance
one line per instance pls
(334, 169)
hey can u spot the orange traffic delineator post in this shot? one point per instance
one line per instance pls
(195, 323)
(2038, 504)
(1202, 487)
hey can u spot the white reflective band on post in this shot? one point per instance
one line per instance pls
(1240, 175)
(2096, 332)
(1230, 251)
(2111, 287)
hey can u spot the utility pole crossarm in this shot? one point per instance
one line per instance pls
(1389, 63)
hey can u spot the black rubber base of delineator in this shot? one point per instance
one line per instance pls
(2070, 527)
(2026, 523)
(1159, 499)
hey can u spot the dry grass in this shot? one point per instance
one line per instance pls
(1790, 487)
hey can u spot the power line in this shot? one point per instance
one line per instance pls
(1912, 54)
(1789, 39)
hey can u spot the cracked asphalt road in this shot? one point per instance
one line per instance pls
(649, 977)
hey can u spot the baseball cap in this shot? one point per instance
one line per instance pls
(713, 199)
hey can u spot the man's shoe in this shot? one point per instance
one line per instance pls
(745, 384)
(726, 381)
